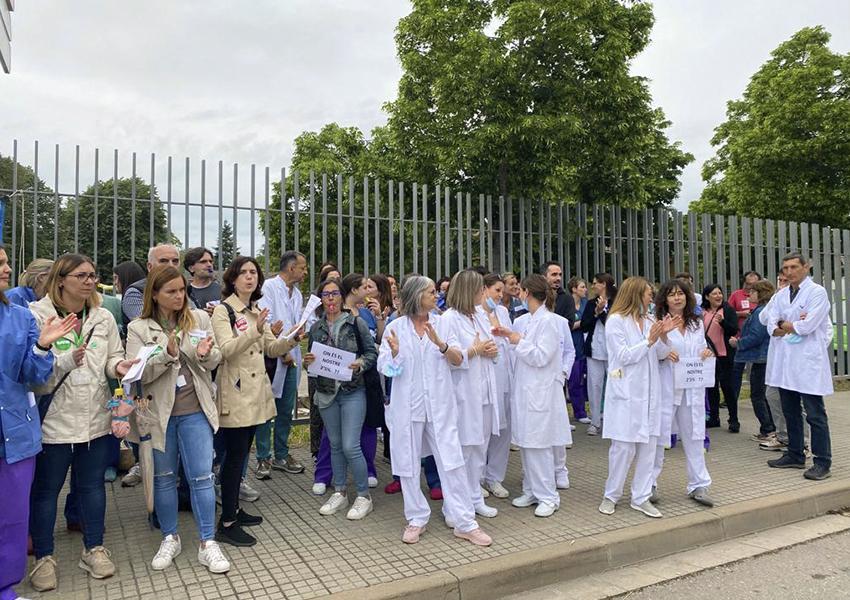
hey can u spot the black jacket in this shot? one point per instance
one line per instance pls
(588, 323)
(730, 328)
(565, 305)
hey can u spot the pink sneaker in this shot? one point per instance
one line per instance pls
(476, 536)
(411, 534)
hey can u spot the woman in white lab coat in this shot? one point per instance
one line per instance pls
(416, 351)
(633, 394)
(539, 420)
(684, 407)
(476, 391)
(499, 447)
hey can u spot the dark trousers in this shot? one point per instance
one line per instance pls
(738, 369)
(316, 423)
(237, 446)
(759, 399)
(51, 469)
(725, 382)
(792, 404)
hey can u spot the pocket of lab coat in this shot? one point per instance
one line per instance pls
(536, 397)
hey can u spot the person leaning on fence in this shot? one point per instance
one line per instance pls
(720, 325)
(27, 361)
(683, 407)
(77, 423)
(245, 397)
(801, 366)
(416, 352)
(31, 283)
(752, 348)
(177, 380)
(343, 403)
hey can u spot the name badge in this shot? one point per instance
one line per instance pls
(241, 325)
(745, 304)
(181, 381)
(196, 335)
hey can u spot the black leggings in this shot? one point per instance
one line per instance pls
(725, 382)
(237, 444)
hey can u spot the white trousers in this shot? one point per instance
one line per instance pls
(456, 504)
(694, 452)
(498, 452)
(538, 477)
(595, 388)
(562, 473)
(620, 458)
(475, 458)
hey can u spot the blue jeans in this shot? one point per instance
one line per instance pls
(192, 436)
(51, 468)
(818, 421)
(282, 422)
(343, 422)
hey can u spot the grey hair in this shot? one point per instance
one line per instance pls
(289, 257)
(798, 256)
(411, 294)
(154, 249)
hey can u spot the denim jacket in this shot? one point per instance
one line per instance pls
(752, 346)
(346, 340)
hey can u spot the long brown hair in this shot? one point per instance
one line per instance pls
(629, 300)
(689, 315)
(157, 279)
(61, 269)
(539, 289)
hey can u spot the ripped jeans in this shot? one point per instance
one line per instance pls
(192, 436)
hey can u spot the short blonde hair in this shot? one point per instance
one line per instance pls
(629, 300)
(462, 290)
(38, 267)
(61, 269)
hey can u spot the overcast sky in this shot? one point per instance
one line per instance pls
(238, 82)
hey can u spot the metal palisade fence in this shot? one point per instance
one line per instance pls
(114, 206)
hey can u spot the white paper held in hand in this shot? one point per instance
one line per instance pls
(313, 302)
(694, 372)
(135, 372)
(331, 362)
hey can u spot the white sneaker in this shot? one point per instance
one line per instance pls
(373, 482)
(169, 549)
(213, 558)
(486, 511)
(362, 506)
(335, 503)
(648, 509)
(497, 489)
(247, 493)
(524, 501)
(592, 430)
(572, 427)
(485, 493)
(545, 509)
(607, 507)
(319, 489)
(563, 484)
(133, 476)
(585, 420)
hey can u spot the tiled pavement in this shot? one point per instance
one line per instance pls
(302, 555)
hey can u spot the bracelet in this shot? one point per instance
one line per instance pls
(123, 419)
(42, 348)
(446, 349)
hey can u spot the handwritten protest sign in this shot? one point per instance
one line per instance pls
(331, 362)
(694, 373)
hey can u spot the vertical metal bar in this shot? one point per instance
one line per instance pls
(783, 239)
(236, 207)
(311, 260)
(746, 244)
(296, 199)
(324, 217)
(491, 263)
(567, 268)
(339, 220)
(720, 244)
(284, 202)
(759, 245)
(133, 207)
(679, 243)
(391, 228)
(220, 213)
(151, 227)
(664, 243)
(267, 213)
(647, 244)
(770, 267)
(351, 225)
(583, 245)
(706, 249)
(365, 224)
(438, 231)
(56, 202)
(448, 238)
(415, 196)
(530, 266)
(252, 229)
(564, 215)
(817, 270)
(838, 296)
(845, 286)
(804, 240)
(543, 246)
(77, 200)
(794, 242)
(186, 206)
(734, 267)
(377, 194)
(425, 244)
(468, 230)
(96, 202)
(402, 240)
(508, 223)
(631, 239)
(522, 260)
(15, 250)
(482, 257)
(35, 204)
(204, 207)
(115, 205)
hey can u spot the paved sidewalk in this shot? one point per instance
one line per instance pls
(302, 555)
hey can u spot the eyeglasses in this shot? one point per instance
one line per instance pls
(333, 294)
(83, 277)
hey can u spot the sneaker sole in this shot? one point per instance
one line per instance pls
(130, 484)
(791, 466)
(225, 540)
(358, 518)
(246, 498)
(650, 515)
(463, 536)
(91, 573)
(288, 470)
(772, 449)
(706, 503)
(211, 569)
(264, 476)
(810, 478)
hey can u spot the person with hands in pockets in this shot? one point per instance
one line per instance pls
(633, 394)
(416, 352)
(245, 398)
(177, 378)
(77, 423)
(343, 404)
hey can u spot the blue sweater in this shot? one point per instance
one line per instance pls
(752, 346)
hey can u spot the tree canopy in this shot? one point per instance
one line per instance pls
(784, 150)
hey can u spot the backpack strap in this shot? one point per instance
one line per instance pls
(231, 314)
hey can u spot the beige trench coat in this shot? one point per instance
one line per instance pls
(244, 390)
(159, 379)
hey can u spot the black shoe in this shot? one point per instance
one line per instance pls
(247, 520)
(785, 462)
(711, 424)
(817, 473)
(734, 427)
(234, 535)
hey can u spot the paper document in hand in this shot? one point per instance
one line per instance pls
(135, 372)
(313, 303)
(331, 362)
(694, 372)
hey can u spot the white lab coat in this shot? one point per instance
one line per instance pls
(538, 405)
(688, 345)
(633, 389)
(474, 380)
(440, 406)
(286, 308)
(567, 349)
(504, 368)
(804, 367)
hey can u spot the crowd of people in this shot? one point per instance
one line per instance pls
(451, 375)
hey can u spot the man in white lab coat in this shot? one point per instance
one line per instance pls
(800, 366)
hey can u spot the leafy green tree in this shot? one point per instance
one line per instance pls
(227, 249)
(117, 220)
(784, 150)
